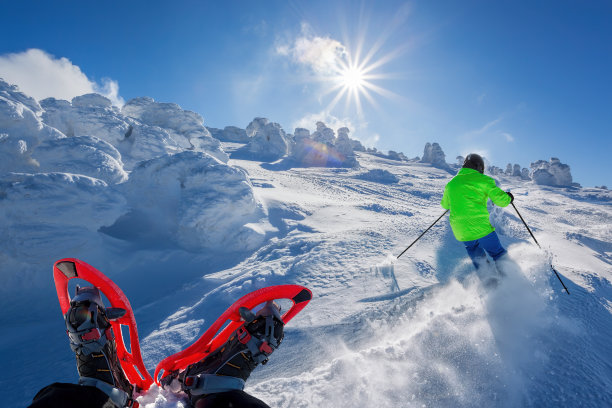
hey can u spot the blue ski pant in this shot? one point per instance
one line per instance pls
(489, 243)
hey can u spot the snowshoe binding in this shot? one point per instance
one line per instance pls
(93, 342)
(228, 367)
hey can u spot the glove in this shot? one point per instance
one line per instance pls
(511, 197)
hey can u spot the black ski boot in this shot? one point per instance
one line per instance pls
(221, 375)
(93, 342)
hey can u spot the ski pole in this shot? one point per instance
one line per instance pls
(538, 244)
(422, 234)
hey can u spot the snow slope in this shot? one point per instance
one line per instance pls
(184, 234)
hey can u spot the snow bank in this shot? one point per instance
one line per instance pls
(193, 200)
(553, 173)
(48, 216)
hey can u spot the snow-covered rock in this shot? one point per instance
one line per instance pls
(399, 156)
(256, 125)
(185, 127)
(323, 134)
(434, 155)
(322, 148)
(552, 173)
(357, 146)
(525, 173)
(379, 176)
(84, 155)
(268, 142)
(344, 146)
(21, 130)
(231, 134)
(192, 199)
(91, 115)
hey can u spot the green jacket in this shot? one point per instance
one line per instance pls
(466, 197)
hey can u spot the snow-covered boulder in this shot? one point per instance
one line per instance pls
(323, 134)
(357, 146)
(399, 156)
(185, 127)
(434, 155)
(256, 125)
(231, 134)
(344, 146)
(84, 155)
(525, 173)
(269, 142)
(311, 150)
(193, 200)
(21, 130)
(379, 176)
(91, 115)
(553, 173)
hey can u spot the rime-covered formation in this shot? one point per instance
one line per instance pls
(153, 168)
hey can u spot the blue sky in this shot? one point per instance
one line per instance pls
(515, 80)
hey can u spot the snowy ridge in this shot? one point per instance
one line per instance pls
(185, 231)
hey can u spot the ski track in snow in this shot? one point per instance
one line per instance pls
(419, 331)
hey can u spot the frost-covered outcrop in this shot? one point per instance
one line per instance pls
(193, 200)
(323, 134)
(92, 115)
(229, 134)
(379, 176)
(399, 156)
(84, 155)
(185, 127)
(21, 130)
(552, 173)
(323, 148)
(434, 155)
(268, 141)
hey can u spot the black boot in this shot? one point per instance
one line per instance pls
(227, 368)
(93, 342)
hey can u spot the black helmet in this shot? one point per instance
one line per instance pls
(474, 161)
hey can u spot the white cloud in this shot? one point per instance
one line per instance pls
(321, 54)
(310, 121)
(508, 136)
(41, 75)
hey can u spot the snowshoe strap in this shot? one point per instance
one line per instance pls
(119, 397)
(88, 337)
(210, 383)
(260, 348)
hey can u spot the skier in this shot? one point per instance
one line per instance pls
(466, 197)
(214, 382)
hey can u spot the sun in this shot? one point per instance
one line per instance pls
(352, 78)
